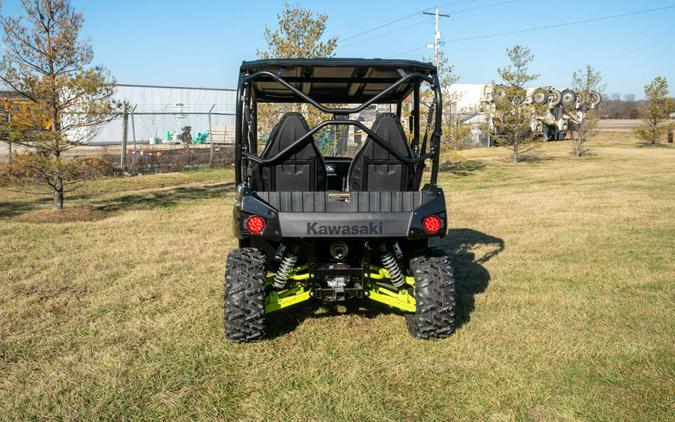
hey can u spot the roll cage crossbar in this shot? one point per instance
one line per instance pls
(302, 141)
(328, 110)
(247, 109)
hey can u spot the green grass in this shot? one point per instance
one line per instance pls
(567, 304)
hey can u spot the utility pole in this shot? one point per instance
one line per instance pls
(437, 34)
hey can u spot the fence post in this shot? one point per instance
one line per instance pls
(211, 138)
(9, 142)
(133, 129)
(125, 130)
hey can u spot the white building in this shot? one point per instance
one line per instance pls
(158, 113)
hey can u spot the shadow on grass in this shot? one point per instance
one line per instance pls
(286, 321)
(659, 145)
(148, 199)
(463, 168)
(531, 158)
(15, 208)
(163, 198)
(471, 278)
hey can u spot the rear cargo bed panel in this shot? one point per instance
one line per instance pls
(339, 214)
(352, 202)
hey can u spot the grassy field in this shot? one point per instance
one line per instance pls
(567, 304)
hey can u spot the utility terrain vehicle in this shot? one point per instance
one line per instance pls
(336, 229)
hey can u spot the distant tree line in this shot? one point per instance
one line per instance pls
(617, 106)
(621, 107)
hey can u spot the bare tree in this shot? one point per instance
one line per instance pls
(512, 116)
(659, 104)
(588, 83)
(63, 99)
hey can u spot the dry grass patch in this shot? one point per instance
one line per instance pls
(66, 215)
(566, 299)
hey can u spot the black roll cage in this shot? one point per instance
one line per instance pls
(246, 121)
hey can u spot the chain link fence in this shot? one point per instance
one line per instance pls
(143, 141)
(156, 142)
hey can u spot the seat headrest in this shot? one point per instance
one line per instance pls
(388, 127)
(291, 127)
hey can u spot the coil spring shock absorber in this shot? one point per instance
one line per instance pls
(392, 267)
(285, 268)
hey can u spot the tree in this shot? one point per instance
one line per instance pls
(614, 107)
(446, 76)
(586, 82)
(453, 133)
(659, 104)
(299, 34)
(62, 101)
(512, 116)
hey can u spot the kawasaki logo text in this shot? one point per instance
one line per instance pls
(371, 228)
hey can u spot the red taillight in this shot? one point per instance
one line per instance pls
(255, 224)
(432, 224)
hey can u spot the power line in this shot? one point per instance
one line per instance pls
(402, 53)
(384, 25)
(413, 25)
(382, 35)
(484, 6)
(541, 28)
(559, 25)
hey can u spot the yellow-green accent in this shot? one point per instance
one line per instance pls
(289, 297)
(401, 299)
(292, 276)
(299, 277)
(285, 298)
(301, 292)
(382, 273)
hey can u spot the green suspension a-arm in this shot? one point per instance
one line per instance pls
(289, 297)
(301, 291)
(285, 298)
(401, 299)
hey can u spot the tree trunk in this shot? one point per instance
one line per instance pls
(58, 193)
(9, 168)
(579, 145)
(516, 155)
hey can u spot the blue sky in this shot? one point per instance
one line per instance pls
(202, 43)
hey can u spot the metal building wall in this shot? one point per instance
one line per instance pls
(161, 109)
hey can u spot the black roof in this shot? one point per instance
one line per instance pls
(334, 80)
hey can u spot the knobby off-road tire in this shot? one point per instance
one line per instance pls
(245, 295)
(435, 296)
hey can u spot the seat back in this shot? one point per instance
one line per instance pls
(301, 171)
(374, 168)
